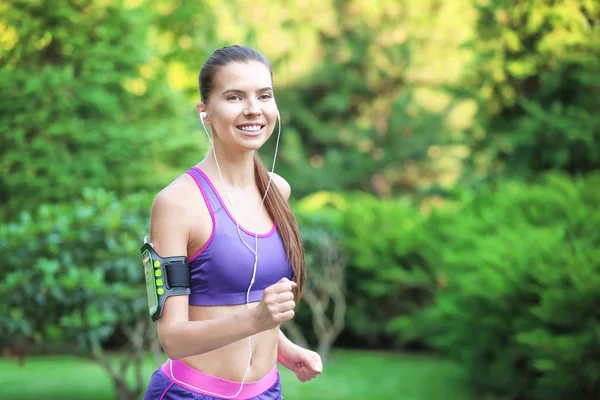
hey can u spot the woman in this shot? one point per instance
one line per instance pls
(231, 219)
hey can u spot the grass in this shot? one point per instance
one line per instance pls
(349, 375)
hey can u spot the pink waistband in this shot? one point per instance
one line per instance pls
(199, 382)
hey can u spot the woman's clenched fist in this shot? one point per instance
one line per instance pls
(276, 306)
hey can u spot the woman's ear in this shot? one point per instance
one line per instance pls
(201, 109)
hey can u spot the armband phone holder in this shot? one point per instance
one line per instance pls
(168, 276)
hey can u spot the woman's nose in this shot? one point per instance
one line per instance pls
(252, 108)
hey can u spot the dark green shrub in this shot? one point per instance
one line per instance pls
(386, 260)
(389, 272)
(72, 277)
(520, 308)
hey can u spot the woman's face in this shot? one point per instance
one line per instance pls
(241, 109)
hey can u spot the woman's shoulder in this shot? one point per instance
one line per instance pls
(177, 198)
(282, 184)
(172, 211)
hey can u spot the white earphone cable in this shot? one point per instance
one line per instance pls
(255, 251)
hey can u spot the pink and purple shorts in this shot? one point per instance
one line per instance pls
(175, 380)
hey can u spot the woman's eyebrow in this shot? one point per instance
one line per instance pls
(238, 91)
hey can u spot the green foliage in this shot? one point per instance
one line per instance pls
(358, 115)
(72, 279)
(520, 305)
(384, 248)
(71, 274)
(537, 64)
(319, 229)
(388, 271)
(84, 102)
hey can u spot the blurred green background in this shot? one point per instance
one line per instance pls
(444, 162)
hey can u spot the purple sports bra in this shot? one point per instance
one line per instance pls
(222, 269)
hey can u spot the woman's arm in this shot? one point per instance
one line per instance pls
(284, 346)
(169, 233)
(183, 338)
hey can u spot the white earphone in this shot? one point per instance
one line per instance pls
(253, 250)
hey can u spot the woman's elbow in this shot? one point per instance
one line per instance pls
(172, 349)
(170, 344)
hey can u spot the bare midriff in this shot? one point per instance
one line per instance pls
(230, 362)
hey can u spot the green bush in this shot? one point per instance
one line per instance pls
(387, 263)
(389, 272)
(72, 278)
(520, 308)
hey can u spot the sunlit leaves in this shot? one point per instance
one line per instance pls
(84, 100)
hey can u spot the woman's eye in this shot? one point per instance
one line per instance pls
(238, 98)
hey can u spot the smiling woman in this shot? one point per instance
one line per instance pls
(244, 257)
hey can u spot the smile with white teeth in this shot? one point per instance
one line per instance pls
(251, 128)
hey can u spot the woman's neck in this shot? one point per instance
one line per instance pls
(236, 170)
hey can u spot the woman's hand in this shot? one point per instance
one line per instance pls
(306, 364)
(276, 306)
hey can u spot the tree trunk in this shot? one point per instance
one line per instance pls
(124, 392)
(324, 347)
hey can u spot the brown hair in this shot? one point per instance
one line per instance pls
(277, 207)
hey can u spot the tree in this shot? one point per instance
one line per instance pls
(536, 78)
(325, 294)
(84, 103)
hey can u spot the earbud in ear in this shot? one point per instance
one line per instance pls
(203, 115)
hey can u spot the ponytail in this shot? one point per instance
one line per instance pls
(281, 213)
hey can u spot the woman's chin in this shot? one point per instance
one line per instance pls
(251, 144)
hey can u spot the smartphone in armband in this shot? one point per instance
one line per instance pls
(165, 276)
